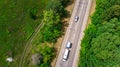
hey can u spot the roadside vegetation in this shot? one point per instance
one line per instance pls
(50, 31)
(18, 20)
(101, 43)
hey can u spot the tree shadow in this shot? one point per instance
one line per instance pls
(68, 14)
(65, 24)
(71, 2)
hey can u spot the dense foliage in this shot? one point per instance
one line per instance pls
(52, 26)
(51, 30)
(101, 44)
(48, 54)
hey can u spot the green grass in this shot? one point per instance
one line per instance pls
(16, 26)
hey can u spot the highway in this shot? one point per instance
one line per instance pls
(74, 34)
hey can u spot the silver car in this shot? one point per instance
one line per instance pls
(76, 18)
(69, 44)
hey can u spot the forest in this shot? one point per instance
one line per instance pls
(100, 46)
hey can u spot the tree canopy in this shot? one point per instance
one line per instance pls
(52, 26)
(101, 43)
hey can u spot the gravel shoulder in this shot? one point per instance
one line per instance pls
(92, 10)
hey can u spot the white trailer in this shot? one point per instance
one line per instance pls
(66, 54)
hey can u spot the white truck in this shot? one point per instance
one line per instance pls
(66, 54)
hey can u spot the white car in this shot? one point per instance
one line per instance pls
(68, 45)
(76, 18)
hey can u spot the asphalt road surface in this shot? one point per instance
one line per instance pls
(73, 34)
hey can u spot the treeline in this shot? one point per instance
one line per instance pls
(101, 43)
(51, 30)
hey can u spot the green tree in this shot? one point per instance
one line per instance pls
(56, 5)
(112, 12)
(65, 2)
(52, 26)
(101, 43)
(104, 48)
(47, 52)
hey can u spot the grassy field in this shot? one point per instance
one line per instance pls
(18, 20)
